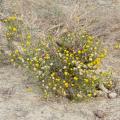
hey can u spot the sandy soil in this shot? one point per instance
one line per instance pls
(99, 17)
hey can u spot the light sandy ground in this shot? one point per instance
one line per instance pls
(99, 17)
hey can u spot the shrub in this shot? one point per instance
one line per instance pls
(68, 66)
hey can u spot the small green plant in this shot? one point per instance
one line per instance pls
(68, 67)
(117, 45)
(14, 30)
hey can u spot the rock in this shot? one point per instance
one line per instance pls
(117, 90)
(101, 94)
(104, 2)
(99, 114)
(112, 95)
(102, 87)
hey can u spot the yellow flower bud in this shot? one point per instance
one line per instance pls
(76, 78)
(89, 95)
(66, 73)
(66, 85)
(14, 29)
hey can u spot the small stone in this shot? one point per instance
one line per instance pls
(112, 95)
(99, 114)
(100, 93)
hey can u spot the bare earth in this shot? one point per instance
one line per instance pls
(20, 98)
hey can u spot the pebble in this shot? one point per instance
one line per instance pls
(112, 95)
(99, 114)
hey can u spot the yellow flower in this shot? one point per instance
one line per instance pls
(71, 55)
(67, 54)
(75, 78)
(92, 55)
(67, 58)
(89, 95)
(28, 36)
(72, 85)
(28, 43)
(102, 55)
(66, 73)
(77, 58)
(94, 77)
(117, 45)
(87, 46)
(95, 48)
(69, 63)
(8, 34)
(79, 52)
(37, 49)
(12, 18)
(73, 61)
(78, 95)
(16, 51)
(34, 69)
(90, 38)
(110, 83)
(86, 80)
(79, 66)
(23, 49)
(90, 59)
(83, 36)
(49, 84)
(37, 65)
(57, 79)
(66, 85)
(97, 61)
(10, 54)
(20, 58)
(5, 20)
(106, 50)
(64, 93)
(53, 74)
(14, 29)
(12, 60)
(71, 69)
(47, 56)
(66, 51)
(54, 88)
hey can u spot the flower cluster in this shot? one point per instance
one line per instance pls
(11, 27)
(14, 30)
(75, 74)
(68, 68)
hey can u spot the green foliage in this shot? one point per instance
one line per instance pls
(69, 68)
